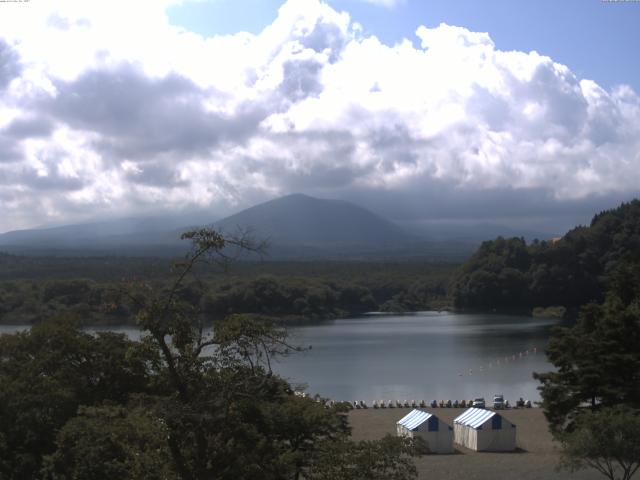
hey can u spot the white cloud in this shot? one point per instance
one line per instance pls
(106, 107)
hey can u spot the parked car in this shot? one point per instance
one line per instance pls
(479, 402)
(498, 402)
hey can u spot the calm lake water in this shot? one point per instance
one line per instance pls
(426, 355)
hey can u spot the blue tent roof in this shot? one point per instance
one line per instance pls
(474, 417)
(414, 419)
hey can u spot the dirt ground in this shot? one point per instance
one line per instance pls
(536, 457)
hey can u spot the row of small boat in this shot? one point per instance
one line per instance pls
(359, 404)
(422, 404)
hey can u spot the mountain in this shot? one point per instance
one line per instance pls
(305, 221)
(126, 236)
(296, 227)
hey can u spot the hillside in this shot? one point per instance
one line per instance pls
(509, 273)
(297, 227)
(126, 236)
(306, 221)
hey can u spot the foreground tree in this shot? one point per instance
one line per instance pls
(228, 415)
(607, 440)
(111, 442)
(598, 360)
(46, 374)
(592, 400)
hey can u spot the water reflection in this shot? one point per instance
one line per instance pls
(428, 355)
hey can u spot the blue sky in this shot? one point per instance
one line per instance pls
(597, 39)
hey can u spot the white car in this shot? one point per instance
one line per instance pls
(479, 403)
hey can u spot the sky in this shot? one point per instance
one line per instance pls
(514, 112)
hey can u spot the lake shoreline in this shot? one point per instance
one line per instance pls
(293, 320)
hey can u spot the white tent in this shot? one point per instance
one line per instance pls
(438, 435)
(484, 430)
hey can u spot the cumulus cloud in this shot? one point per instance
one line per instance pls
(9, 64)
(94, 123)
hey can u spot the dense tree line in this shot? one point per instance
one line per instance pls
(289, 297)
(98, 268)
(317, 293)
(572, 271)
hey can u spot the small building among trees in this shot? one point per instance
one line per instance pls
(483, 430)
(437, 435)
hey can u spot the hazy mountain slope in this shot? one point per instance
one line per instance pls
(297, 227)
(303, 220)
(122, 236)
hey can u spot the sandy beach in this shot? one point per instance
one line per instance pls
(536, 457)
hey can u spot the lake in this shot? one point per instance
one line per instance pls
(425, 355)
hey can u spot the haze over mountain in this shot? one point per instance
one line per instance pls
(472, 231)
(296, 227)
(120, 236)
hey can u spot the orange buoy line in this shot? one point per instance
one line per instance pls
(498, 362)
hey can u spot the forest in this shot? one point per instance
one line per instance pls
(98, 290)
(569, 272)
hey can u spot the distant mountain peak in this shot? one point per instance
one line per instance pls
(299, 219)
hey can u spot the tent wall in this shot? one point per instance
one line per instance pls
(439, 438)
(486, 438)
(437, 442)
(465, 436)
(501, 440)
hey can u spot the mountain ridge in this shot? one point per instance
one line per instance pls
(297, 227)
(299, 219)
